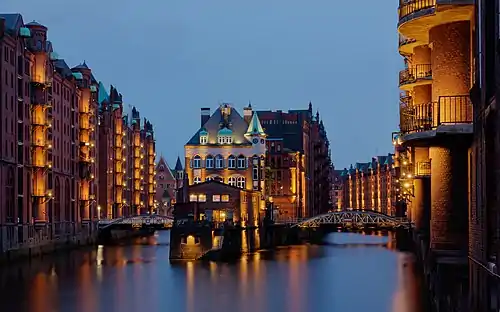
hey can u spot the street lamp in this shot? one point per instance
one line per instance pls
(98, 212)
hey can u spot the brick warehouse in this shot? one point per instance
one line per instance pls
(484, 218)
(50, 151)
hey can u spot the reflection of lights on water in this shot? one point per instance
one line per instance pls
(99, 261)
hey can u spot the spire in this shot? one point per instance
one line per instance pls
(310, 107)
(102, 94)
(249, 104)
(178, 164)
(254, 127)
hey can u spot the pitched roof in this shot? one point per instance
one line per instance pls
(178, 164)
(102, 95)
(63, 68)
(167, 170)
(12, 20)
(254, 127)
(234, 122)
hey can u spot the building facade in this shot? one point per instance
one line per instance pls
(369, 186)
(484, 218)
(228, 148)
(433, 145)
(168, 182)
(127, 159)
(49, 142)
(298, 161)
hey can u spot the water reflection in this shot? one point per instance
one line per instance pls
(352, 272)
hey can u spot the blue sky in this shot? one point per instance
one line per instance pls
(171, 57)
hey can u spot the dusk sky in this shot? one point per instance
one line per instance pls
(169, 58)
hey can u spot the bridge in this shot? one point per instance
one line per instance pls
(137, 222)
(354, 218)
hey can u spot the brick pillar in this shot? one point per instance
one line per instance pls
(450, 57)
(421, 202)
(449, 195)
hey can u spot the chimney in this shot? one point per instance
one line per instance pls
(205, 115)
(247, 114)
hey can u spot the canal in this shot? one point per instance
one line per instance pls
(352, 272)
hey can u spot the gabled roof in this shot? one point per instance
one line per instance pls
(254, 127)
(236, 124)
(12, 21)
(35, 23)
(81, 66)
(167, 170)
(63, 68)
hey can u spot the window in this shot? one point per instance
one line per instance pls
(232, 181)
(202, 198)
(197, 180)
(209, 162)
(214, 178)
(241, 161)
(219, 162)
(161, 177)
(241, 182)
(225, 139)
(231, 162)
(197, 161)
(203, 139)
(225, 198)
(255, 172)
(216, 198)
(193, 197)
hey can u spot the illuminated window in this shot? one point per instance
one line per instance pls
(232, 181)
(231, 162)
(241, 182)
(193, 197)
(209, 162)
(202, 198)
(197, 161)
(219, 162)
(203, 139)
(241, 161)
(225, 198)
(216, 198)
(197, 180)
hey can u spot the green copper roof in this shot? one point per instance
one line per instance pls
(24, 32)
(116, 106)
(203, 131)
(54, 56)
(103, 95)
(78, 76)
(225, 131)
(93, 88)
(254, 127)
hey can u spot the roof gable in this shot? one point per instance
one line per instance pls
(216, 122)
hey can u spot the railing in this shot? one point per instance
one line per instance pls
(449, 110)
(407, 7)
(404, 40)
(412, 74)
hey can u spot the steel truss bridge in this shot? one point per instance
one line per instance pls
(149, 221)
(354, 218)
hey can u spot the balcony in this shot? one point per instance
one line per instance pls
(423, 169)
(411, 9)
(447, 111)
(406, 44)
(415, 76)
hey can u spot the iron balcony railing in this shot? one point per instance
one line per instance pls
(414, 73)
(448, 110)
(407, 7)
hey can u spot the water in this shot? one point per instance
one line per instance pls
(353, 273)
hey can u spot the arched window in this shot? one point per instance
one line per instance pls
(231, 162)
(242, 163)
(219, 162)
(197, 180)
(197, 161)
(161, 168)
(232, 181)
(209, 162)
(241, 182)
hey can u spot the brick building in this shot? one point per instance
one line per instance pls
(228, 148)
(220, 202)
(298, 161)
(369, 186)
(484, 219)
(168, 181)
(49, 162)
